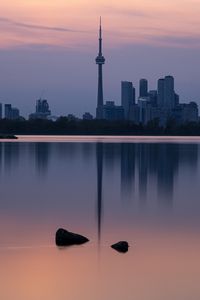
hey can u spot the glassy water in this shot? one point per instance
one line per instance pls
(145, 191)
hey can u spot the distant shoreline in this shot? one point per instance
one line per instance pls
(63, 126)
(8, 137)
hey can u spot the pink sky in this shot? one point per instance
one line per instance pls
(50, 46)
(73, 23)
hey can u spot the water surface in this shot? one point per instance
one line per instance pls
(143, 190)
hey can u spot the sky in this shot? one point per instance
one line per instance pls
(48, 49)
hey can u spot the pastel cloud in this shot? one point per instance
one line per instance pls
(32, 26)
(151, 22)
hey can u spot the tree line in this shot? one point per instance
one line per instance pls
(65, 126)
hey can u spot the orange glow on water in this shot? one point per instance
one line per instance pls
(154, 268)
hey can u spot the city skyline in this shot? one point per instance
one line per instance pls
(57, 53)
(160, 104)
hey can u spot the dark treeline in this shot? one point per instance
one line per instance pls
(64, 126)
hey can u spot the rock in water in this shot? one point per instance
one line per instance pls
(121, 247)
(66, 238)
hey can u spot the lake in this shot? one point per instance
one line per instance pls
(143, 190)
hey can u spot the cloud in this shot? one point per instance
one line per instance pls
(126, 11)
(184, 40)
(36, 27)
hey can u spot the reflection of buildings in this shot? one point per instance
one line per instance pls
(144, 167)
(1, 156)
(162, 161)
(167, 168)
(111, 154)
(128, 161)
(11, 155)
(99, 158)
(42, 153)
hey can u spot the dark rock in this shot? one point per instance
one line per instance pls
(66, 238)
(121, 247)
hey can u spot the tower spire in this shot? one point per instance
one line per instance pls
(100, 38)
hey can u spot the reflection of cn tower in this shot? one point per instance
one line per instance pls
(99, 158)
(100, 61)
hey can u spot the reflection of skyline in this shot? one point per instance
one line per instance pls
(142, 169)
(167, 168)
(128, 161)
(11, 153)
(42, 154)
(1, 156)
(140, 164)
(99, 158)
(162, 161)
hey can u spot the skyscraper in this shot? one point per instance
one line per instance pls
(11, 113)
(0, 110)
(143, 88)
(8, 110)
(100, 60)
(42, 110)
(134, 95)
(169, 94)
(42, 106)
(127, 97)
(161, 84)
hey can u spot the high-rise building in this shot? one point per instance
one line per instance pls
(153, 95)
(177, 98)
(143, 88)
(1, 111)
(169, 94)
(11, 113)
(134, 114)
(134, 95)
(42, 110)
(160, 99)
(7, 111)
(144, 110)
(42, 106)
(100, 61)
(87, 116)
(190, 112)
(112, 112)
(15, 113)
(127, 97)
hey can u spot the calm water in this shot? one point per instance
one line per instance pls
(145, 191)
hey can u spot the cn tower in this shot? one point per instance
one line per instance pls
(100, 61)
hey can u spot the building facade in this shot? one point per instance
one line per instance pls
(143, 88)
(127, 97)
(162, 104)
(11, 113)
(42, 110)
(1, 111)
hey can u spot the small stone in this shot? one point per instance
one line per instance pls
(121, 246)
(67, 238)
